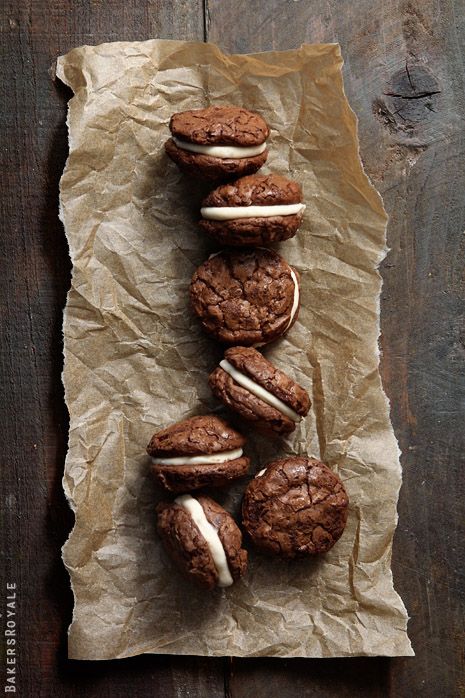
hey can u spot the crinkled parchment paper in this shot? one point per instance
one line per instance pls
(136, 360)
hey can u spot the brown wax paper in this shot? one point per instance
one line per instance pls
(136, 359)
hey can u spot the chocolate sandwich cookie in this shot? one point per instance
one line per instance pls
(254, 210)
(199, 452)
(250, 385)
(219, 142)
(295, 507)
(203, 539)
(245, 297)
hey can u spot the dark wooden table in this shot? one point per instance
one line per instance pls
(404, 78)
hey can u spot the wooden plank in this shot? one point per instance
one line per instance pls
(35, 519)
(404, 78)
(309, 678)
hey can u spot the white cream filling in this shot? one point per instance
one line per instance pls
(224, 152)
(193, 460)
(262, 472)
(230, 213)
(295, 303)
(259, 391)
(211, 536)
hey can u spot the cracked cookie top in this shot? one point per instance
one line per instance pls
(205, 434)
(220, 125)
(245, 297)
(259, 190)
(296, 507)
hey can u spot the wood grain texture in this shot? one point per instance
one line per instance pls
(404, 78)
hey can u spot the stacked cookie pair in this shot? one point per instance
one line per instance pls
(224, 143)
(244, 297)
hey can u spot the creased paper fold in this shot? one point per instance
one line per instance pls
(136, 360)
